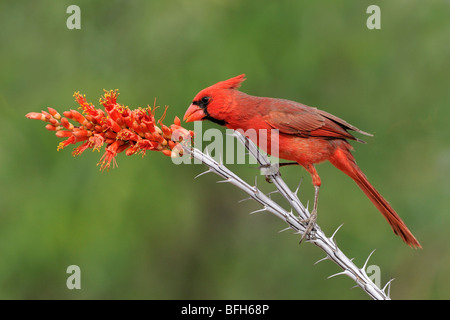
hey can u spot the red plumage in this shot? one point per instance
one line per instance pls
(307, 136)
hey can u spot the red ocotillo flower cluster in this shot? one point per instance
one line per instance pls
(119, 129)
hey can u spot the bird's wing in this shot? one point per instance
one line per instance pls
(297, 119)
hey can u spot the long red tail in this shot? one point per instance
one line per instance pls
(344, 161)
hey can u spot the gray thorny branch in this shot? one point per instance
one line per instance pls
(295, 222)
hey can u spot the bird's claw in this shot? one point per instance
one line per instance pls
(310, 224)
(270, 170)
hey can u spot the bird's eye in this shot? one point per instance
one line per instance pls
(205, 100)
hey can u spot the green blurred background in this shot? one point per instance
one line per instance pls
(147, 229)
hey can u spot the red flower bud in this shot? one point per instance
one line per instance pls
(110, 135)
(50, 127)
(67, 114)
(113, 125)
(81, 133)
(54, 113)
(63, 134)
(66, 124)
(177, 121)
(35, 116)
(166, 131)
(78, 117)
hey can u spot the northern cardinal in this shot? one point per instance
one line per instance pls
(307, 136)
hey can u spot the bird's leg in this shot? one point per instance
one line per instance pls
(311, 221)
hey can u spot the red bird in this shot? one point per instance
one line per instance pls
(306, 135)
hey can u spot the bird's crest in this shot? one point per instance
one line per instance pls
(232, 83)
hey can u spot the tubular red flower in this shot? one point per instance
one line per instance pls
(96, 141)
(115, 115)
(126, 134)
(65, 143)
(119, 129)
(80, 149)
(113, 125)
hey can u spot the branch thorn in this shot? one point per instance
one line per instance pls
(323, 259)
(243, 200)
(259, 210)
(298, 187)
(338, 274)
(388, 286)
(367, 260)
(199, 175)
(285, 229)
(334, 233)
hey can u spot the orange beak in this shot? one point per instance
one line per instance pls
(194, 113)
